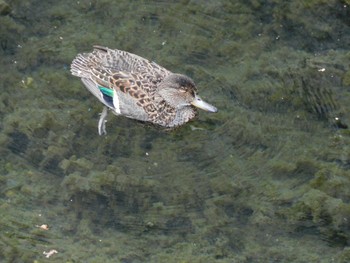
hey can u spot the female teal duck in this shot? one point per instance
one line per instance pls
(137, 88)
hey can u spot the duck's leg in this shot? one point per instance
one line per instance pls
(102, 122)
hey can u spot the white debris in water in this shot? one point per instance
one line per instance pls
(50, 253)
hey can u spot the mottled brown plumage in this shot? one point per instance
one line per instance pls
(137, 88)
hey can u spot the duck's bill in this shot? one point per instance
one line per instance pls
(199, 103)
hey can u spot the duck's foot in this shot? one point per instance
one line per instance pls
(102, 122)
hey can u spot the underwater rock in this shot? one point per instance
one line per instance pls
(19, 142)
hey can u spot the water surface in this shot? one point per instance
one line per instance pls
(266, 179)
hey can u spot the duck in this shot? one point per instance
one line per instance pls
(137, 88)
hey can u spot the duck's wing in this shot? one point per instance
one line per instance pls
(121, 60)
(108, 61)
(124, 92)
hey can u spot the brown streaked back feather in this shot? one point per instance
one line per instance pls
(103, 62)
(118, 60)
(129, 84)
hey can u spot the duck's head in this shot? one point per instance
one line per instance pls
(179, 91)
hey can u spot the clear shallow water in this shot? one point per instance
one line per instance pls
(264, 180)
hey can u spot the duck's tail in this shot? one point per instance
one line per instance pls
(81, 66)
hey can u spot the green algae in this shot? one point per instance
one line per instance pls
(346, 79)
(251, 183)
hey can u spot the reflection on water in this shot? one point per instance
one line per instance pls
(265, 179)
